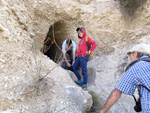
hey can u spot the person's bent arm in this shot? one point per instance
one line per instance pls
(112, 99)
(64, 53)
(74, 53)
(64, 57)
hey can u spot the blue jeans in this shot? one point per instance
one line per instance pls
(82, 62)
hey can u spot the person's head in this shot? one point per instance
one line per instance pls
(69, 42)
(80, 32)
(138, 51)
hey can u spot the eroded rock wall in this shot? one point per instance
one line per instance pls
(31, 82)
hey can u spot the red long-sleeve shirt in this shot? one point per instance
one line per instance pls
(82, 46)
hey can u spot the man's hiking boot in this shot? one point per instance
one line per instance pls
(79, 83)
(84, 86)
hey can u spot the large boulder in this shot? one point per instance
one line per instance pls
(82, 98)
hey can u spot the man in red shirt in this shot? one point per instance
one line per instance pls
(83, 56)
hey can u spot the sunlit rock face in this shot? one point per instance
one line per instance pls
(32, 82)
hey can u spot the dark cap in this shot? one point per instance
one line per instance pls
(80, 29)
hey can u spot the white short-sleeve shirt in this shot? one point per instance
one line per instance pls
(65, 47)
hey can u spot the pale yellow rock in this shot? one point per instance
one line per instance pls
(24, 25)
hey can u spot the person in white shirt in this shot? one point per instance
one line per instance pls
(68, 47)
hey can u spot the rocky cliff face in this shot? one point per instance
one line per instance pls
(31, 82)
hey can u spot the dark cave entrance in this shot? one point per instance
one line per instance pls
(52, 44)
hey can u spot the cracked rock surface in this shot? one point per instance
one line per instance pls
(30, 82)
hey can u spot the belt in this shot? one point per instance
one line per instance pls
(83, 55)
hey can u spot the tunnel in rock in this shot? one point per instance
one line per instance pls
(52, 44)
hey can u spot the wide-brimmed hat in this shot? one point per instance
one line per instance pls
(143, 48)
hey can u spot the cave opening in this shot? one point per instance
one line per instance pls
(52, 44)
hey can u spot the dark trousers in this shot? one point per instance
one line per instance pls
(70, 53)
(82, 62)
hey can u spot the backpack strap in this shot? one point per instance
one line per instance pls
(146, 59)
(87, 43)
(140, 92)
(134, 98)
(131, 64)
(144, 87)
